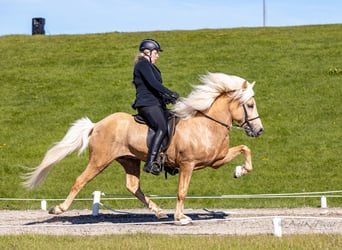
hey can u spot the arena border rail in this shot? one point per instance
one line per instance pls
(96, 197)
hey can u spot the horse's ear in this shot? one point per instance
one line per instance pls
(244, 85)
(253, 83)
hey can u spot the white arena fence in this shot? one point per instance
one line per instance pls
(97, 196)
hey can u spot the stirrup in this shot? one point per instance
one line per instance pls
(154, 169)
(171, 171)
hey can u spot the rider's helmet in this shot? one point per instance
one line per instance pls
(149, 44)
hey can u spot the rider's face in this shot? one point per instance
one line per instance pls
(154, 56)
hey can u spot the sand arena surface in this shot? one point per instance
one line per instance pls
(205, 222)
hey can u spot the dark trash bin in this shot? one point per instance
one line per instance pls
(38, 26)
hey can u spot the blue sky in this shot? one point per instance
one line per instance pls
(98, 16)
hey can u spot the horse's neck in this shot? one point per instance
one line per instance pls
(219, 110)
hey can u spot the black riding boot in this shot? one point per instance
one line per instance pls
(151, 166)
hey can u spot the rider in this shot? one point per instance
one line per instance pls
(151, 98)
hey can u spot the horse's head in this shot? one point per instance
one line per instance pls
(245, 111)
(240, 95)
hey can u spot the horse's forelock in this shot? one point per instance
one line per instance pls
(245, 94)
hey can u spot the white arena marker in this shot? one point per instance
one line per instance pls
(323, 202)
(96, 202)
(43, 205)
(277, 231)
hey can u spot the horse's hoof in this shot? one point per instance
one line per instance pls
(238, 172)
(159, 213)
(162, 216)
(184, 221)
(55, 210)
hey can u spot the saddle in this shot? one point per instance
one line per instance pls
(172, 121)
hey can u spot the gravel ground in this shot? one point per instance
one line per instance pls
(205, 222)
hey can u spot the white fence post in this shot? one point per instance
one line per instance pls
(323, 202)
(96, 202)
(43, 205)
(277, 231)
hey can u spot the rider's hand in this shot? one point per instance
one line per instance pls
(174, 97)
(170, 98)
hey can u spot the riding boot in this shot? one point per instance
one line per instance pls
(151, 166)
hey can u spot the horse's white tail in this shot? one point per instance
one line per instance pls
(77, 138)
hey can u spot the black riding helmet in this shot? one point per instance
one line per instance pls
(149, 44)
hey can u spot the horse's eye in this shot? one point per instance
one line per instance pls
(250, 106)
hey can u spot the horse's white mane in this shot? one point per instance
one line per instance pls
(214, 84)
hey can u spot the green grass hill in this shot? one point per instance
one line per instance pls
(48, 82)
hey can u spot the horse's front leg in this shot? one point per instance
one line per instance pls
(183, 186)
(132, 168)
(233, 153)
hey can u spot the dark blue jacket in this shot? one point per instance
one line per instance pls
(149, 85)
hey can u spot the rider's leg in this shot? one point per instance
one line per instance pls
(155, 118)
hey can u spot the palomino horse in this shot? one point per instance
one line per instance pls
(201, 139)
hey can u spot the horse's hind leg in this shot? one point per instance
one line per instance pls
(91, 171)
(132, 168)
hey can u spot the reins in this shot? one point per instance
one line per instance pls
(228, 126)
(219, 122)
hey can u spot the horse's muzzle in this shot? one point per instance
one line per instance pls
(252, 132)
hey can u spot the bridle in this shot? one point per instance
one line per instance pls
(248, 125)
(247, 121)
